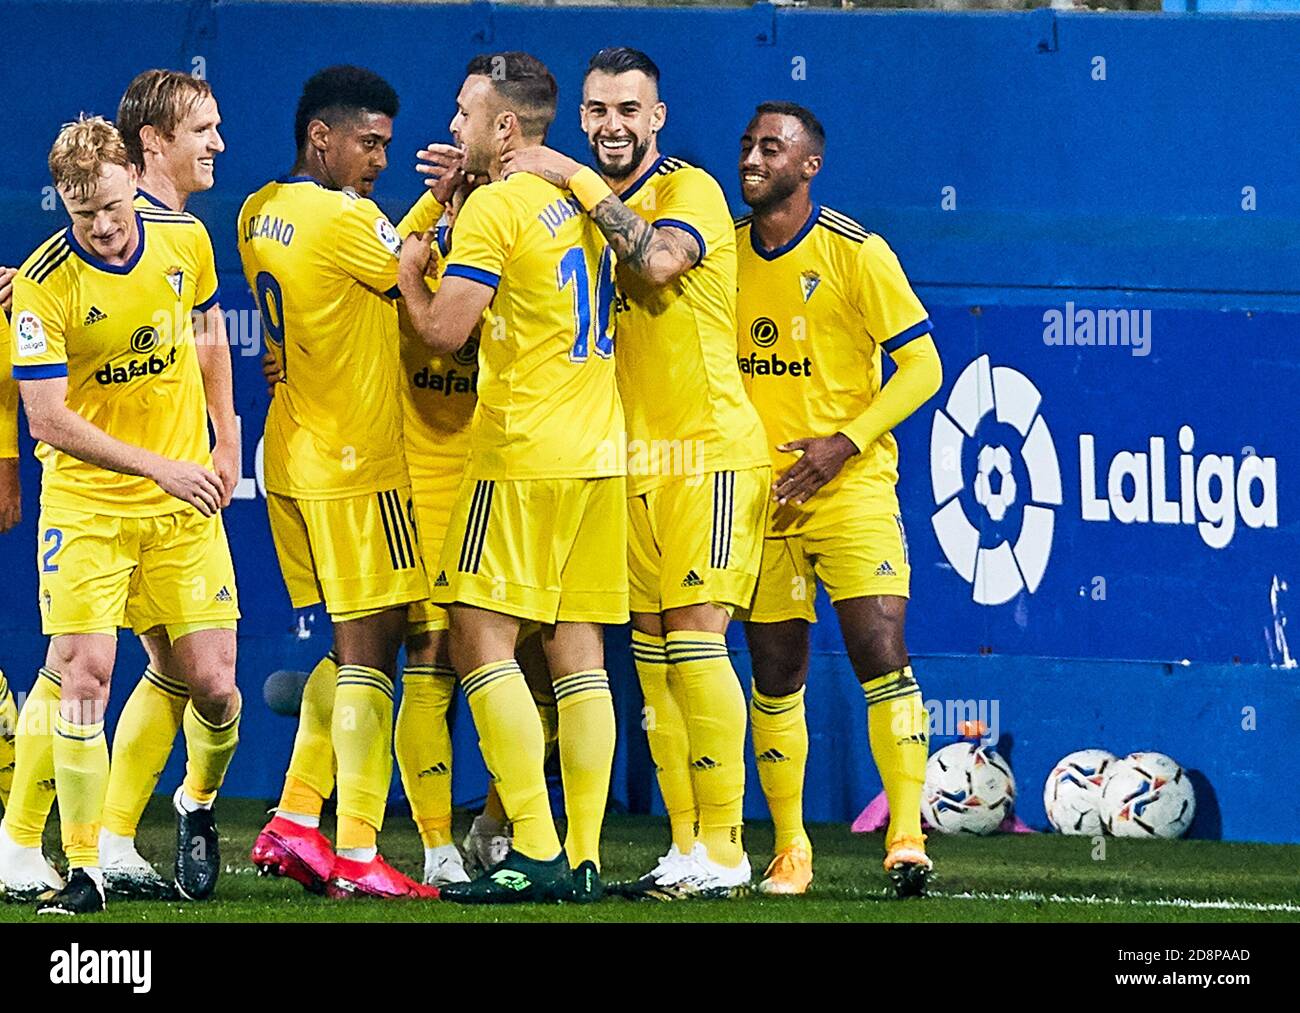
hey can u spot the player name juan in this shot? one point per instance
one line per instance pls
(450, 382)
(268, 227)
(774, 365)
(556, 214)
(134, 368)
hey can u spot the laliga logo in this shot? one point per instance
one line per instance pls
(997, 574)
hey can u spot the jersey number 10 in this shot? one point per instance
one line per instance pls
(573, 269)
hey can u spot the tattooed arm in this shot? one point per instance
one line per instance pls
(659, 254)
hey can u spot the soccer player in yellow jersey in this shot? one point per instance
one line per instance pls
(321, 259)
(103, 346)
(821, 301)
(169, 124)
(698, 467)
(539, 526)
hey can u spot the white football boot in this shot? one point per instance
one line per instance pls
(25, 875)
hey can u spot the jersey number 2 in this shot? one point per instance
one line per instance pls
(573, 270)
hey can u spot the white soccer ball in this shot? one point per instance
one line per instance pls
(969, 789)
(1072, 794)
(1147, 795)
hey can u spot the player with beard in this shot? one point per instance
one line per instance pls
(821, 300)
(698, 467)
(538, 529)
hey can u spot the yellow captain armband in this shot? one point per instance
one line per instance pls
(589, 188)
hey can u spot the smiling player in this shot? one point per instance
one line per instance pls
(821, 300)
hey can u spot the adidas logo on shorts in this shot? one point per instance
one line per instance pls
(885, 570)
(437, 769)
(705, 763)
(442, 579)
(94, 316)
(224, 595)
(692, 579)
(773, 755)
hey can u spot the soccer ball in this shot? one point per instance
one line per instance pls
(1147, 795)
(1072, 794)
(968, 789)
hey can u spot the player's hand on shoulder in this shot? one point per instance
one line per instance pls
(191, 483)
(7, 287)
(11, 494)
(541, 161)
(821, 458)
(443, 169)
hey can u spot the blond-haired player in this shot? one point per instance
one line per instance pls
(169, 124)
(107, 315)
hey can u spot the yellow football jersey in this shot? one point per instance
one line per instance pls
(439, 392)
(548, 399)
(676, 343)
(323, 266)
(123, 337)
(813, 317)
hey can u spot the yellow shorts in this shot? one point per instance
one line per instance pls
(860, 557)
(550, 550)
(431, 517)
(697, 540)
(359, 555)
(99, 572)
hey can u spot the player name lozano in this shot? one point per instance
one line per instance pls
(75, 966)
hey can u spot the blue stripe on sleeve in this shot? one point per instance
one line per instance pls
(209, 302)
(473, 274)
(42, 372)
(674, 223)
(915, 331)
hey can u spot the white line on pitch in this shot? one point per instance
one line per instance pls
(1092, 899)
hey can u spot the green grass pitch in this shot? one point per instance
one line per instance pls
(1039, 877)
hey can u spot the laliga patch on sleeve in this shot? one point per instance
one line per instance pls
(388, 235)
(31, 334)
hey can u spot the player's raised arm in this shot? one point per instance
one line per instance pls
(657, 252)
(444, 320)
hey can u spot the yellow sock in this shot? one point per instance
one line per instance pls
(422, 742)
(780, 732)
(587, 736)
(363, 743)
(310, 778)
(81, 779)
(715, 722)
(899, 728)
(142, 742)
(670, 747)
(208, 749)
(8, 730)
(32, 793)
(510, 735)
